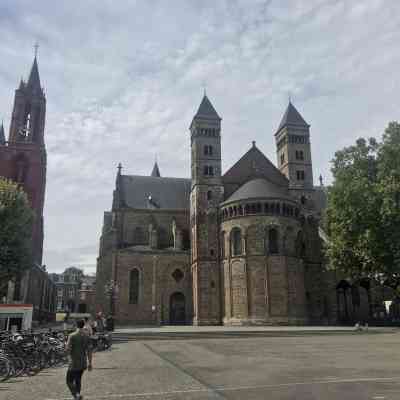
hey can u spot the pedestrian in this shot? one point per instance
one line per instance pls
(88, 327)
(80, 359)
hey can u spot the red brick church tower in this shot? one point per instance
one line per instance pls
(23, 156)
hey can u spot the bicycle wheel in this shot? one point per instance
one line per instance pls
(4, 369)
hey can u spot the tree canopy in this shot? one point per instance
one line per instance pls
(363, 213)
(16, 217)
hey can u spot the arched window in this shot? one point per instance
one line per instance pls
(222, 245)
(134, 286)
(185, 239)
(209, 195)
(273, 247)
(236, 242)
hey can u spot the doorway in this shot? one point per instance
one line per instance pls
(177, 313)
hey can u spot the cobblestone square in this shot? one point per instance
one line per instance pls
(336, 366)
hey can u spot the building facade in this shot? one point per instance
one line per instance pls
(237, 248)
(74, 291)
(23, 160)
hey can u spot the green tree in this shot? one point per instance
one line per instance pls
(363, 213)
(16, 217)
(389, 191)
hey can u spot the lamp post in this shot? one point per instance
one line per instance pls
(111, 291)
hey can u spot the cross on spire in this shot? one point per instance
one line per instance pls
(36, 47)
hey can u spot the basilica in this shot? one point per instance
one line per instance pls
(241, 247)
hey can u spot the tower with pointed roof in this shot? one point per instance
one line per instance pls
(28, 116)
(206, 194)
(294, 150)
(23, 157)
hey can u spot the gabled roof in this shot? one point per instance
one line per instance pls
(292, 117)
(2, 135)
(259, 188)
(253, 164)
(206, 110)
(156, 171)
(34, 79)
(144, 192)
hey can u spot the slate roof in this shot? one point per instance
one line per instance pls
(156, 171)
(34, 79)
(253, 164)
(2, 135)
(259, 188)
(143, 192)
(206, 110)
(292, 117)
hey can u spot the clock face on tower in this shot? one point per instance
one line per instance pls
(23, 132)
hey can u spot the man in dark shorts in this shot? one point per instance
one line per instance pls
(80, 358)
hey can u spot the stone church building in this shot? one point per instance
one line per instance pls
(236, 248)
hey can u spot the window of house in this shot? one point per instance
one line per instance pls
(208, 150)
(273, 241)
(71, 292)
(282, 158)
(59, 292)
(300, 175)
(134, 287)
(299, 155)
(209, 195)
(236, 242)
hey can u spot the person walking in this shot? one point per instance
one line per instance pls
(80, 359)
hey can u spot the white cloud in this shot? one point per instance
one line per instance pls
(123, 83)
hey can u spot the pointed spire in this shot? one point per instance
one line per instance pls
(34, 79)
(2, 135)
(292, 117)
(156, 171)
(21, 84)
(206, 109)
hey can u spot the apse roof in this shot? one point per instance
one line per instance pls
(259, 188)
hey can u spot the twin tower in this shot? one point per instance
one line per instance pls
(209, 189)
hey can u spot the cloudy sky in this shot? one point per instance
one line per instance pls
(124, 78)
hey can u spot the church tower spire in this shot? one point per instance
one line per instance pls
(2, 135)
(26, 161)
(206, 194)
(294, 150)
(29, 113)
(156, 171)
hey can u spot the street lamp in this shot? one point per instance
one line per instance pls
(111, 291)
